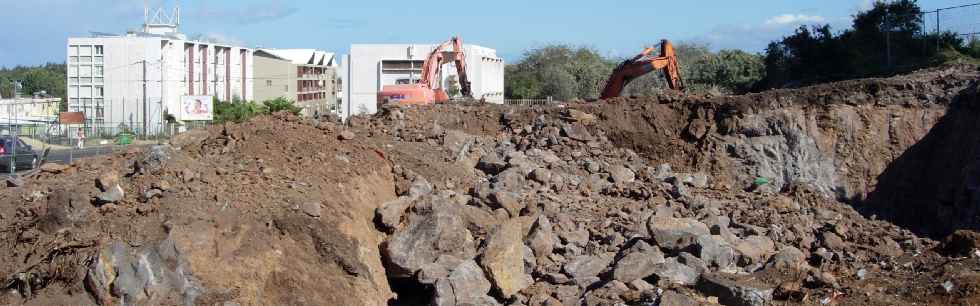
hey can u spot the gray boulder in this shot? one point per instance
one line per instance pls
(491, 164)
(716, 252)
(640, 261)
(542, 237)
(587, 266)
(434, 231)
(390, 213)
(577, 132)
(675, 234)
(503, 258)
(622, 175)
(755, 249)
(468, 286)
(112, 195)
(509, 201)
(64, 210)
(674, 272)
(734, 292)
(149, 275)
(788, 257)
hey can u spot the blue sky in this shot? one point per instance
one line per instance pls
(36, 30)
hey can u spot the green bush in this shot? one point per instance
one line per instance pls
(240, 111)
(237, 111)
(281, 104)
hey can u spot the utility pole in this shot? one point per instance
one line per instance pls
(144, 98)
(888, 41)
(10, 131)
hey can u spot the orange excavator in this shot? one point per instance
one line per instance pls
(642, 64)
(423, 93)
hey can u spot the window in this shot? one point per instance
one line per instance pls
(73, 70)
(73, 80)
(73, 92)
(268, 83)
(98, 80)
(85, 92)
(85, 59)
(85, 51)
(73, 59)
(73, 50)
(99, 91)
(85, 71)
(99, 70)
(98, 50)
(98, 59)
(86, 80)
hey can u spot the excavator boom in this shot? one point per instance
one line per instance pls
(642, 64)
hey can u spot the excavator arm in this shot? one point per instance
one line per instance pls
(642, 64)
(460, 61)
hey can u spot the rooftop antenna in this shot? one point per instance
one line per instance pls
(159, 21)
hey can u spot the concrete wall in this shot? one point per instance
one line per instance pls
(363, 75)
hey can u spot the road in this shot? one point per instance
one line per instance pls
(65, 156)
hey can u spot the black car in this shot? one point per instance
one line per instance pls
(25, 157)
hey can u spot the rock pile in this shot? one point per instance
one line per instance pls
(561, 216)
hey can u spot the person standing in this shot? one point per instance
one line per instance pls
(80, 134)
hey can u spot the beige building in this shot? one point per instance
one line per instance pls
(305, 76)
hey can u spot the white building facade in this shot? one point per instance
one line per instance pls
(368, 67)
(107, 75)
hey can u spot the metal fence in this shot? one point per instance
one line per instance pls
(53, 142)
(529, 102)
(963, 20)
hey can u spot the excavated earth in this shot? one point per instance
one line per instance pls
(861, 192)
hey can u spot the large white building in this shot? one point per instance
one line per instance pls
(368, 67)
(107, 74)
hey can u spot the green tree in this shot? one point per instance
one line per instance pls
(558, 71)
(885, 39)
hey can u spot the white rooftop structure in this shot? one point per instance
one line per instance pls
(304, 56)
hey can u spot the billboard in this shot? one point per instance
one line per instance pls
(195, 108)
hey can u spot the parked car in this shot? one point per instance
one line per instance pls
(25, 157)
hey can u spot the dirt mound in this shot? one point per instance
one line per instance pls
(273, 211)
(783, 197)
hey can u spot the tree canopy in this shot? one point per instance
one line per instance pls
(887, 38)
(568, 73)
(49, 77)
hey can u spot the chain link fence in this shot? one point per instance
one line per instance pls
(960, 20)
(24, 146)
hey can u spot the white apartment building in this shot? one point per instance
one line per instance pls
(107, 74)
(368, 67)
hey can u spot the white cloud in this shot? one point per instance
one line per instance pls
(794, 19)
(754, 37)
(865, 5)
